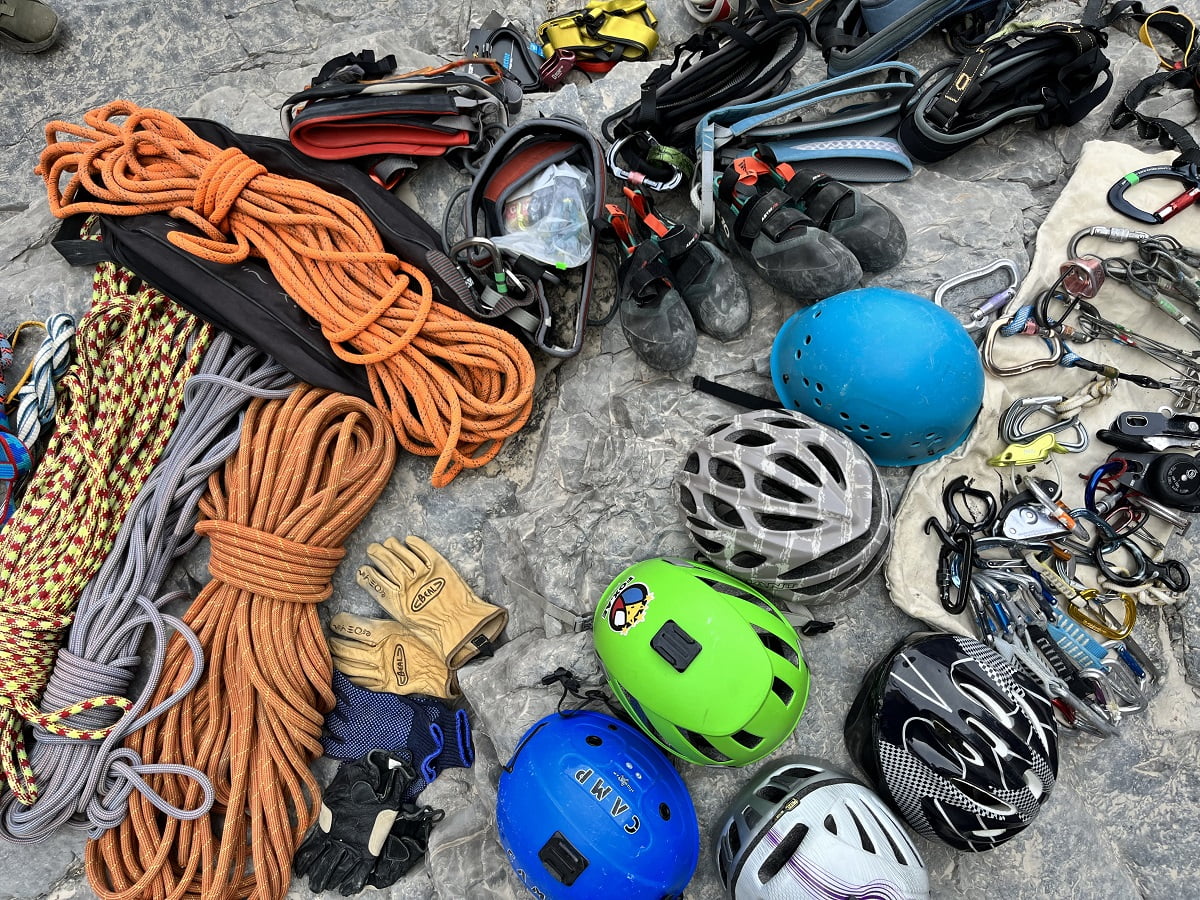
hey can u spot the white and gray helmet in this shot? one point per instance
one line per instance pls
(792, 506)
(805, 830)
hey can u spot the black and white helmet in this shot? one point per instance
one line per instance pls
(802, 829)
(960, 742)
(787, 504)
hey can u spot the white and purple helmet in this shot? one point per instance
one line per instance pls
(805, 830)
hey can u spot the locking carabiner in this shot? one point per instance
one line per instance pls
(1187, 173)
(639, 179)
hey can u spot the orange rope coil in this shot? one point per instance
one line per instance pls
(452, 387)
(307, 471)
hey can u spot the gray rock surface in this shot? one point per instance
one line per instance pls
(585, 489)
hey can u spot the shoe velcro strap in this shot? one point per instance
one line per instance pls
(645, 275)
(769, 213)
(824, 199)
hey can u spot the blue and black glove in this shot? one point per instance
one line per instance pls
(424, 730)
(358, 812)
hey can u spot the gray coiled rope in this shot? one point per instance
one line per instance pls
(87, 784)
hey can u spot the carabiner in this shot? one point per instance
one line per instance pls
(1187, 174)
(638, 179)
(990, 304)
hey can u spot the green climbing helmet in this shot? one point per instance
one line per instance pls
(705, 664)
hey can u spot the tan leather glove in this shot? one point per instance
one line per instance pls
(418, 586)
(382, 655)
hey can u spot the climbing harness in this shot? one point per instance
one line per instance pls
(135, 351)
(86, 781)
(1054, 74)
(854, 34)
(448, 111)
(746, 59)
(452, 387)
(307, 469)
(513, 286)
(603, 33)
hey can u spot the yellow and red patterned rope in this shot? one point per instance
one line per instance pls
(120, 400)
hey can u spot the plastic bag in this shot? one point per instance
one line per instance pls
(547, 217)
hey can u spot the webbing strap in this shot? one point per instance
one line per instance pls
(605, 31)
(859, 104)
(1169, 135)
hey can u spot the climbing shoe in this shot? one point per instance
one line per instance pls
(757, 219)
(27, 26)
(869, 230)
(653, 315)
(705, 277)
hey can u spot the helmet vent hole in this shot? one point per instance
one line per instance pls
(593, 740)
(799, 353)
(686, 500)
(867, 843)
(748, 437)
(805, 382)
(779, 522)
(704, 746)
(817, 400)
(831, 825)
(829, 462)
(746, 739)
(772, 487)
(712, 548)
(783, 691)
(800, 772)
(740, 593)
(844, 415)
(778, 858)
(887, 833)
(807, 339)
(747, 559)
(664, 812)
(784, 422)
(862, 426)
(885, 434)
(723, 512)
(772, 793)
(726, 473)
(692, 464)
(796, 467)
(777, 645)
(820, 387)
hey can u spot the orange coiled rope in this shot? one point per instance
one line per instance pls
(452, 387)
(306, 472)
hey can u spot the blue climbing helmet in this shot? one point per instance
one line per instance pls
(895, 372)
(589, 807)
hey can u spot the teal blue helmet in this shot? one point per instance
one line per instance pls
(898, 374)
